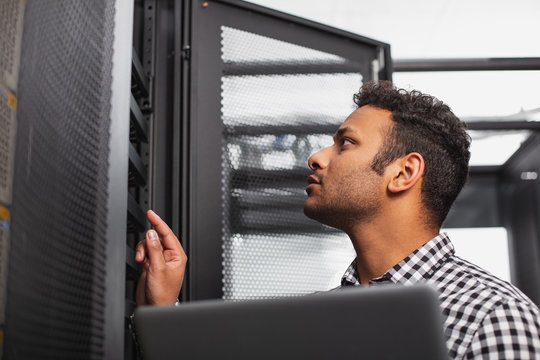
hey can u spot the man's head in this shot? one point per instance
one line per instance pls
(390, 125)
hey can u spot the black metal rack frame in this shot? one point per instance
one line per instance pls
(201, 196)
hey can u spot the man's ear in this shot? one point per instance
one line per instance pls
(406, 172)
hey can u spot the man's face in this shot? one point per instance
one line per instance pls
(343, 188)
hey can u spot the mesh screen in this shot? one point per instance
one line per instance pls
(55, 291)
(11, 16)
(275, 115)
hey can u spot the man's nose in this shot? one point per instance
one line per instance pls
(319, 160)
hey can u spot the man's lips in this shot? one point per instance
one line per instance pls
(312, 181)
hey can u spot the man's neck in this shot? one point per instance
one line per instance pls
(381, 244)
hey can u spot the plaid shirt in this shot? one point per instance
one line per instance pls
(484, 316)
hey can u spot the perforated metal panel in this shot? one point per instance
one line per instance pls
(55, 292)
(280, 103)
(11, 16)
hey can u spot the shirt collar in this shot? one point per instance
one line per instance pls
(419, 265)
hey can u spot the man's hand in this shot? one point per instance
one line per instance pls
(163, 265)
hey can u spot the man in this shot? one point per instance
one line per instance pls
(397, 164)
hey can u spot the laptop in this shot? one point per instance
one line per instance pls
(394, 322)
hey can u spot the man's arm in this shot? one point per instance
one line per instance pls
(510, 331)
(163, 264)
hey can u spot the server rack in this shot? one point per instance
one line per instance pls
(63, 275)
(178, 43)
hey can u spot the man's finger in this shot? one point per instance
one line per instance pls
(155, 250)
(140, 252)
(169, 241)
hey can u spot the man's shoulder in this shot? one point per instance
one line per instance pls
(470, 296)
(459, 277)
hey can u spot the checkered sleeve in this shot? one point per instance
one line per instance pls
(510, 331)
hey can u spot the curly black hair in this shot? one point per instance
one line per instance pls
(428, 126)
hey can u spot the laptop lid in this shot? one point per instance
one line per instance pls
(375, 323)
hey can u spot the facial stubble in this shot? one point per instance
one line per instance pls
(351, 199)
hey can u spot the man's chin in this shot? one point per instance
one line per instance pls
(324, 219)
(316, 213)
(324, 215)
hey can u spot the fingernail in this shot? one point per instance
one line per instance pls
(138, 254)
(152, 236)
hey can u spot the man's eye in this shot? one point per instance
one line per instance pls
(345, 142)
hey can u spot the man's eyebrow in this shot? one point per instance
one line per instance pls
(341, 131)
